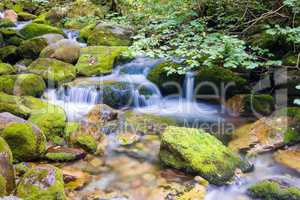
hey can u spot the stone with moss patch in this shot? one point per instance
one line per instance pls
(6, 69)
(32, 48)
(25, 16)
(33, 30)
(9, 54)
(87, 142)
(5, 23)
(197, 151)
(14, 105)
(86, 31)
(64, 154)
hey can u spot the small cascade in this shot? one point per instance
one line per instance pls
(189, 86)
(73, 35)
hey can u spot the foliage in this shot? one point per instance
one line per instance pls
(297, 101)
(290, 35)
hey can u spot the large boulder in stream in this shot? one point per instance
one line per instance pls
(97, 60)
(196, 151)
(32, 48)
(33, 30)
(7, 174)
(42, 182)
(53, 71)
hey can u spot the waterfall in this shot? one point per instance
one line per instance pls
(189, 86)
(73, 35)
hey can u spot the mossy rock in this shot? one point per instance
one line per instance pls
(64, 50)
(53, 71)
(97, 60)
(32, 48)
(7, 174)
(110, 35)
(71, 127)
(251, 105)
(291, 59)
(8, 32)
(22, 85)
(159, 76)
(86, 31)
(26, 141)
(289, 157)
(14, 105)
(42, 19)
(42, 182)
(14, 40)
(196, 151)
(87, 142)
(9, 54)
(52, 38)
(64, 154)
(25, 16)
(7, 69)
(274, 190)
(80, 8)
(33, 30)
(5, 23)
(217, 76)
(79, 22)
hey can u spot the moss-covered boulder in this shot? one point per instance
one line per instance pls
(87, 142)
(251, 105)
(14, 105)
(274, 190)
(160, 77)
(32, 48)
(110, 35)
(64, 50)
(15, 41)
(25, 16)
(64, 154)
(42, 182)
(53, 71)
(22, 85)
(33, 30)
(197, 151)
(86, 31)
(27, 141)
(7, 118)
(7, 174)
(9, 54)
(97, 60)
(6, 69)
(4, 23)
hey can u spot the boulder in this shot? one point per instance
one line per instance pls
(9, 54)
(87, 142)
(42, 182)
(64, 50)
(52, 38)
(22, 85)
(7, 118)
(274, 189)
(33, 30)
(97, 60)
(6, 69)
(289, 157)
(75, 179)
(32, 48)
(5, 23)
(14, 105)
(197, 151)
(64, 154)
(80, 8)
(25, 16)
(11, 15)
(53, 71)
(110, 35)
(7, 174)
(102, 113)
(86, 31)
(27, 141)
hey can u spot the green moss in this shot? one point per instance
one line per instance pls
(25, 141)
(15, 40)
(53, 71)
(33, 30)
(159, 76)
(71, 127)
(32, 48)
(42, 19)
(97, 60)
(199, 152)
(107, 39)
(4, 148)
(25, 16)
(13, 104)
(87, 142)
(4, 23)
(42, 182)
(86, 31)
(60, 157)
(263, 104)
(2, 186)
(6, 69)
(9, 54)
(8, 32)
(271, 190)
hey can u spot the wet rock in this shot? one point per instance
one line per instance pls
(25, 16)
(64, 154)
(110, 35)
(197, 151)
(33, 30)
(127, 138)
(102, 113)
(87, 142)
(97, 60)
(251, 105)
(75, 179)
(42, 182)
(53, 71)
(64, 50)
(32, 48)
(86, 31)
(26, 141)
(6, 69)
(11, 15)
(8, 118)
(289, 157)
(272, 189)
(7, 174)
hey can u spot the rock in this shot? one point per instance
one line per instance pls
(86, 31)
(64, 154)
(159, 76)
(250, 105)
(87, 142)
(9, 54)
(42, 182)
(5, 23)
(26, 141)
(97, 60)
(268, 134)
(7, 174)
(6, 69)
(11, 15)
(14, 41)
(8, 118)
(197, 151)
(52, 38)
(14, 105)
(110, 35)
(271, 189)
(75, 179)
(25, 16)
(64, 50)
(127, 138)
(71, 128)
(289, 157)
(53, 71)
(22, 85)
(33, 30)
(102, 113)
(80, 8)
(32, 48)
